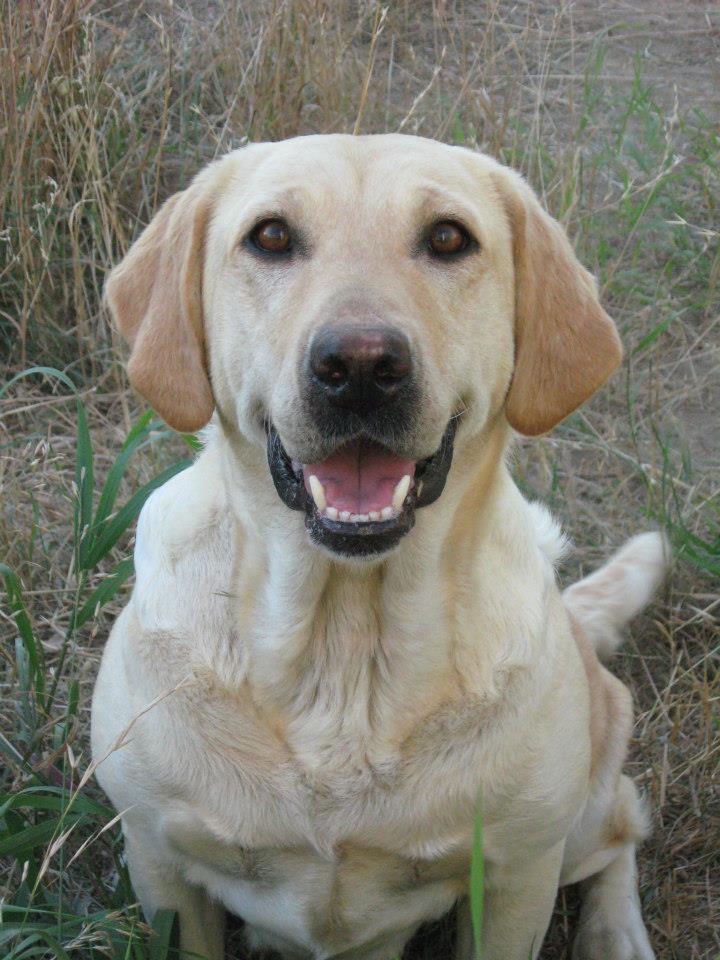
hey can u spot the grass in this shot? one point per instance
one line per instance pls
(477, 882)
(108, 108)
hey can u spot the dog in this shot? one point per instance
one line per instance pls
(345, 636)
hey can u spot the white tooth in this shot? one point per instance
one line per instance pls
(374, 515)
(331, 513)
(387, 513)
(401, 491)
(360, 518)
(318, 492)
(345, 515)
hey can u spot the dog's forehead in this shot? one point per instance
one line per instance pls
(322, 172)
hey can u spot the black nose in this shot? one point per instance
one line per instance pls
(360, 367)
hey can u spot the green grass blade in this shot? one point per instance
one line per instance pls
(84, 483)
(53, 798)
(135, 439)
(144, 424)
(22, 842)
(10, 751)
(118, 524)
(73, 702)
(477, 882)
(705, 554)
(656, 331)
(161, 939)
(39, 937)
(104, 592)
(45, 371)
(19, 613)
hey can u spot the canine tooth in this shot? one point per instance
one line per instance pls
(318, 492)
(387, 513)
(401, 491)
(360, 517)
(345, 515)
(374, 515)
(331, 513)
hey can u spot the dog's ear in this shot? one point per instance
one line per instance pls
(155, 298)
(566, 346)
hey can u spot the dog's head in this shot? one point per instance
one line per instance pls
(347, 302)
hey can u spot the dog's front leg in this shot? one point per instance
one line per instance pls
(161, 886)
(517, 909)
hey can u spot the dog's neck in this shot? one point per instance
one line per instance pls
(337, 646)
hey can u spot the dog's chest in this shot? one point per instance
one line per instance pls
(326, 863)
(320, 901)
(329, 856)
(332, 772)
(294, 786)
(332, 805)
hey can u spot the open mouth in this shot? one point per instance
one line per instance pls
(362, 499)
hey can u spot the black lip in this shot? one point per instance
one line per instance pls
(360, 539)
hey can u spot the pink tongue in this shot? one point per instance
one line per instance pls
(359, 477)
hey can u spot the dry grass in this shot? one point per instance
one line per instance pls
(610, 108)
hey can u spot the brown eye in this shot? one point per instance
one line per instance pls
(272, 236)
(447, 238)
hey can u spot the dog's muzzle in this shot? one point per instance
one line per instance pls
(361, 500)
(361, 396)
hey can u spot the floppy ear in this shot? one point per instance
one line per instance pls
(566, 346)
(155, 298)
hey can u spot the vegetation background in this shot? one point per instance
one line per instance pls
(609, 107)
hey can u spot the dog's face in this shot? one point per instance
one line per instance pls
(346, 303)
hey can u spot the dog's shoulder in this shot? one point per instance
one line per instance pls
(184, 550)
(184, 515)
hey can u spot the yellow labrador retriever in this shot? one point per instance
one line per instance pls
(346, 631)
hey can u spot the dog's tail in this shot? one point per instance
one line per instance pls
(606, 600)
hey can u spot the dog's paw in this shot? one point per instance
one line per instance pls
(602, 936)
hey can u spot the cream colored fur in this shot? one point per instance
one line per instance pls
(321, 730)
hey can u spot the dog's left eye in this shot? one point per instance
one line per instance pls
(447, 238)
(272, 236)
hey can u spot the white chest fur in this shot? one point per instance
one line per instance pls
(318, 763)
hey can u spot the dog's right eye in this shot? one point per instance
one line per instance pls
(447, 239)
(272, 236)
